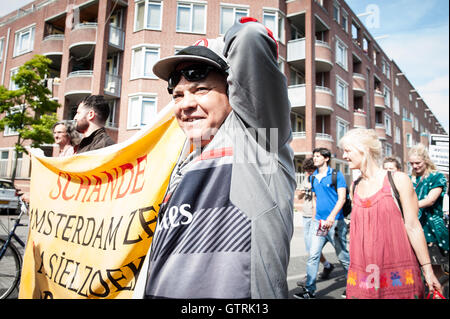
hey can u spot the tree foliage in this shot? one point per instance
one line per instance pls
(30, 110)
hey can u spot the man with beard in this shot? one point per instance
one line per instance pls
(91, 116)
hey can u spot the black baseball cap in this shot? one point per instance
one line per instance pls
(208, 51)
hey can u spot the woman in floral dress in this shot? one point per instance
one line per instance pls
(388, 250)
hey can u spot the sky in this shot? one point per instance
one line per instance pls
(414, 33)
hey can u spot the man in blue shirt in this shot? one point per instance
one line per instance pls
(327, 213)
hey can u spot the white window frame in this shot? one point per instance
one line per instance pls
(341, 123)
(137, 114)
(7, 130)
(2, 43)
(396, 105)
(18, 49)
(338, 10)
(387, 96)
(147, 3)
(236, 9)
(12, 84)
(191, 5)
(140, 67)
(387, 149)
(279, 32)
(341, 83)
(398, 135)
(340, 45)
(111, 122)
(388, 124)
(408, 140)
(344, 18)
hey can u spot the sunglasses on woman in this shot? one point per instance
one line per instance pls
(191, 73)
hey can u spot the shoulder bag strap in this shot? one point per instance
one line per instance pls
(394, 189)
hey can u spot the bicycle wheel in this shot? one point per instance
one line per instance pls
(10, 265)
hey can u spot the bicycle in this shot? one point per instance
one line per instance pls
(10, 257)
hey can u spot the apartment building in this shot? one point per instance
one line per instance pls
(338, 76)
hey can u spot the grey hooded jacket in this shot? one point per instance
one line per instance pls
(225, 227)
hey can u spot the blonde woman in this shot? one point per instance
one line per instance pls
(383, 243)
(430, 186)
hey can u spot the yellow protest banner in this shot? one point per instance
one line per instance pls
(92, 216)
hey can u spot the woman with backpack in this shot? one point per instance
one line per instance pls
(388, 251)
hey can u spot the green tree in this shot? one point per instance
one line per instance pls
(30, 111)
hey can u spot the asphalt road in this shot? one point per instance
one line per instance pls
(326, 289)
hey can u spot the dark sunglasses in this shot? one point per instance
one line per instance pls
(191, 73)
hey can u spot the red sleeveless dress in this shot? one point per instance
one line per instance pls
(382, 262)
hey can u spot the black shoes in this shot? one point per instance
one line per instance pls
(326, 272)
(304, 294)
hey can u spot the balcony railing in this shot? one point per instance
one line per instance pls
(299, 134)
(296, 50)
(297, 95)
(85, 25)
(324, 136)
(81, 73)
(54, 37)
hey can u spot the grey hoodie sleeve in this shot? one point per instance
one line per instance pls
(257, 88)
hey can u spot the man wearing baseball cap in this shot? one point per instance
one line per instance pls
(225, 225)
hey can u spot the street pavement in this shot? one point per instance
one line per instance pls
(331, 288)
(326, 289)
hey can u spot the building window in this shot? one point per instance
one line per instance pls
(387, 96)
(387, 149)
(24, 41)
(396, 105)
(7, 130)
(341, 128)
(408, 140)
(2, 40)
(141, 110)
(274, 21)
(336, 12)
(112, 118)
(344, 21)
(341, 93)
(191, 17)
(148, 15)
(143, 60)
(341, 54)
(12, 85)
(388, 124)
(229, 15)
(398, 135)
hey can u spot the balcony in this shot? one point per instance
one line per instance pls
(78, 84)
(379, 101)
(381, 131)
(83, 39)
(359, 119)
(359, 84)
(116, 39)
(53, 44)
(324, 140)
(296, 55)
(324, 57)
(297, 96)
(324, 100)
(112, 84)
(298, 142)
